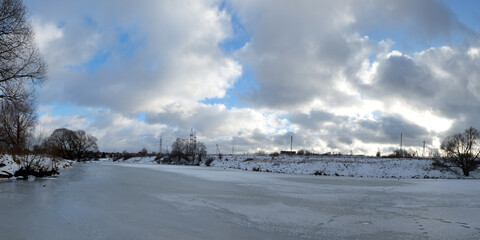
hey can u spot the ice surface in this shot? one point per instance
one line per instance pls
(138, 201)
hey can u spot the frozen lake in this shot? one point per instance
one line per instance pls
(107, 201)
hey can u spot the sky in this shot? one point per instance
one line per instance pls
(339, 76)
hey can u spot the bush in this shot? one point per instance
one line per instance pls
(36, 165)
(274, 154)
(127, 156)
(208, 161)
(402, 153)
(260, 153)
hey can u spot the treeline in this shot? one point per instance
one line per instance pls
(68, 144)
(39, 156)
(183, 152)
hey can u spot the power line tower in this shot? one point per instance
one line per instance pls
(192, 141)
(218, 150)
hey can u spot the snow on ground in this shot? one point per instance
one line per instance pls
(352, 166)
(8, 166)
(141, 160)
(349, 166)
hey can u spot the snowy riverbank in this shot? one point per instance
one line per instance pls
(8, 166)
(351, 166)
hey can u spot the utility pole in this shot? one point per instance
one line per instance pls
(423, 152)
(233, 149)
(291, 143)
(401, 143)
(161, 145)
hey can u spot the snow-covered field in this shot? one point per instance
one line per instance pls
(8, 166)
(142, 160)
(351, 166)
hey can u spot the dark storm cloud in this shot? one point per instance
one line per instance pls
(315, 119)
(297, 55)
(424, 21)
(399, 76)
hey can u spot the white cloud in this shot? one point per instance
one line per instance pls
(474, 52)
(45, 34)
(318, 72)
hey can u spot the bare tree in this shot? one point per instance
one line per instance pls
(179, 148)
(17, 120)
(21, 69)
(184, 151)
(143, 152)
(201, 152)
(20, 59)
(462, 150)
(70, 144)
(83, 144)
(60, 143)
(36, 162)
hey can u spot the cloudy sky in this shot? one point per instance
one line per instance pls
(339, 76)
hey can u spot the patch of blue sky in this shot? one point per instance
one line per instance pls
(288, 126)
(141, 117)
(405, 43)
(68, 110)
(61, 24)
(247, 82)
(90, 21)
(123, 37)
(401, 41)
(372, 58)
(234, 97)
(240, 35)
(98, 60)
(130, 41)
(376, 114)
(467, 11)
(127, 48)
(93, 64)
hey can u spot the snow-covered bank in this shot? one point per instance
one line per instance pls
(140, 160)
(353, 166)
(349, 166)
(8, 166)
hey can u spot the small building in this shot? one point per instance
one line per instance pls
(288, 152)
